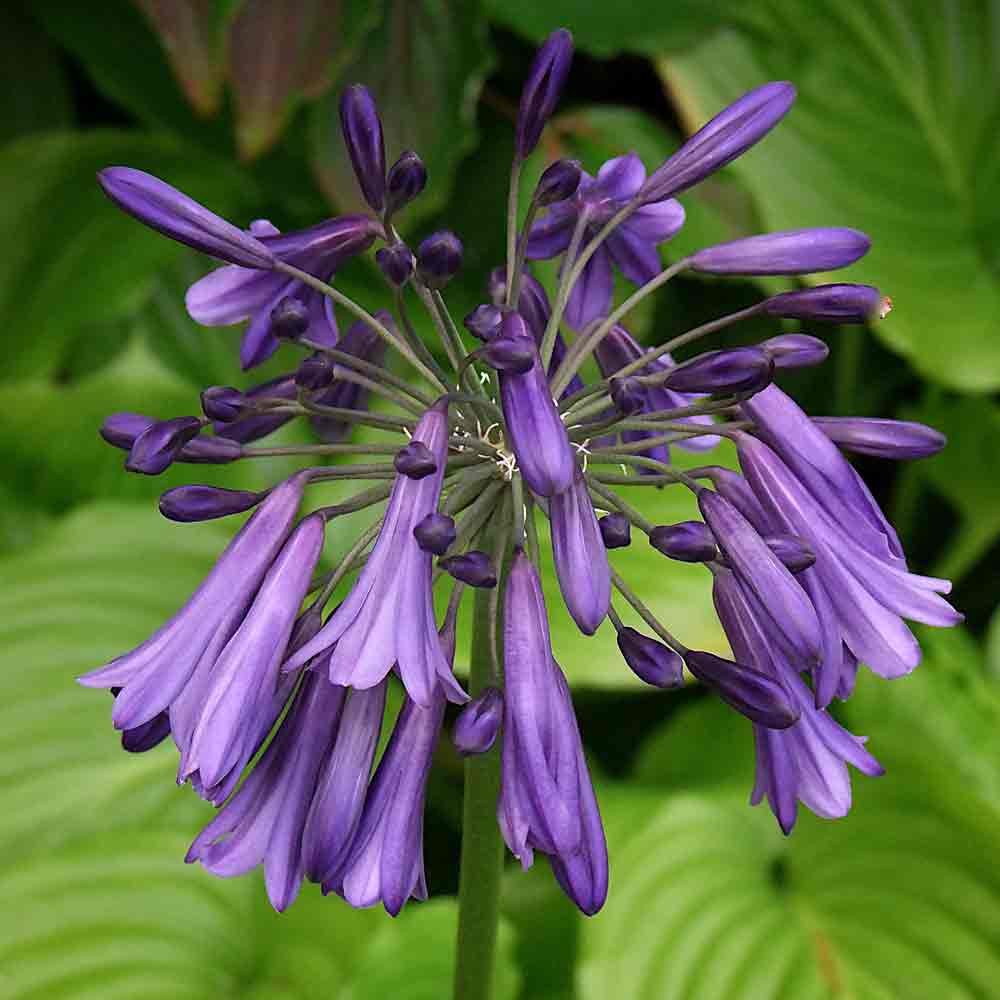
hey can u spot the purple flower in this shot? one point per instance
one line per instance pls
(559, 182)
(436, 533)
(897, 439)
(728, 135)
(251, 426)
(154, 674)
(686, 541)
(799, 251)
(232, 294)
(760, 698)
(156, 448)
(339, 798)
(365, 146)
(632, 246)
(241, 684)
(536, 432)
(165, 209)
(388, 617)
(580, 556)
(546, 798)
(542, 89)
(650, 660)
(618, 349)
(795, 350)
(407, 178)
(396, 263)
(738, 369)
(386, 860)
(263, 822)
(615, 530)
(807, 761)
(122, 430)
(439, 258)
(203, 503)
(830, 304)
(474, 568)
(478, 724)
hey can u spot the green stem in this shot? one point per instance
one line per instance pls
(482, 848)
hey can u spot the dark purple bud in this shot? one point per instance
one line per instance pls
(314, 372)
(121, 429)
(650, 660)
(435, 533)
(396, 262)
(739, 369)
(222, 402)
(289, 319)
(415, 461)
(800, 251)
(204, 503)
(831, 304)
(728, 135)
(792, 550)
(750, 692)
(438, 258)
(365, 146)
(615, 530)
(627, 395)
(795, 350)
(158, 446)
(168, 211)
(514, 355)
(559, 182)
(478, 723)
(542, 89)
(484, 321)
(210, 451)
(898, 439)
(407, 178)
(474, 568)
(687, 541)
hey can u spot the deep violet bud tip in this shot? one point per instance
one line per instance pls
(484, 321)
(478, 724)
(365, 146)
(314, 372)
(438, 258)
(204, 503)
(415, 460)
(615, 530)
(435, 533)
(289, 318)
(843, 303)
(474, 568)
(650, 660)
(738, 369)
(559, 182)
(795, 350)
(749, 692)
(687, 541)
(407, 178)
(156, 448)
(542, 89)
(396, 263)
(222, 403)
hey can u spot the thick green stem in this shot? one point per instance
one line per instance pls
(482, 848)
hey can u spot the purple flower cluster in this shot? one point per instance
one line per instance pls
(284, 659)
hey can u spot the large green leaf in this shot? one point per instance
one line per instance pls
(425, 65)
(607, 29)
(72, 260)
(894, 132)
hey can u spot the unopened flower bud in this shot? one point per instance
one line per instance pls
(542, 89)
(627, 395)
(407, 178)
(615, 530)
(438, 258)
(484, 321)
(800, 251)
(435, 533)
(894, 439)
(289, 319)
(687, 541)
(156, 448)
(314, 372)
(396, 262)
(478, 723)
(750, 692)
(365, 146)
(795, 350)
(121, 429)
(474, 568)
(831, 304)
(650, 660)
(559, 182)
(739, 369)
(222, 403)
(204, 503)
(415, 461)
(514, 355)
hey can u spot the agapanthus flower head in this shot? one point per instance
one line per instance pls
(283, 659)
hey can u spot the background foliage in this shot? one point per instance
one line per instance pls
(234, 101)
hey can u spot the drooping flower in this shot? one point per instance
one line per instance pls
(631, 247)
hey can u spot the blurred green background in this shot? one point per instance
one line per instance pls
(234, 101)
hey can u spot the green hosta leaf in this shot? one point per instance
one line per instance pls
(425, 65)
(73, 261)
(606, 29)
(894, 132)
